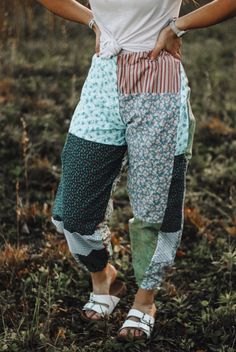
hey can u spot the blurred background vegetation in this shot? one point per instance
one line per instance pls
(44, 61)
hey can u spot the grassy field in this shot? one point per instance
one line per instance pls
(43, 64)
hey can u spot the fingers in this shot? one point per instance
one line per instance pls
(174, 52)
(155, 52)
(177, 55)
(97, 47)
(174, 48)
(97, 51)
(97, 42)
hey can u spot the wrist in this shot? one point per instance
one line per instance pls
(176, 29)
(168, 31)
(92, 24)
(181, 24)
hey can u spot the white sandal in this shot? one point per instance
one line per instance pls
(145, 324)
(104, 304)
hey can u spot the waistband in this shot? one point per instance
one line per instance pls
(134, 56)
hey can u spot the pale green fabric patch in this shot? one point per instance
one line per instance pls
(192, 127)
(187, 122)
(143, 239)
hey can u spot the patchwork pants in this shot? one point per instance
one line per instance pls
(132, 112)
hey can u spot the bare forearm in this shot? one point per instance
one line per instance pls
(68, 9)
(208, 15)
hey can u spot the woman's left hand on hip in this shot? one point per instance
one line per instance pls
(168, 41)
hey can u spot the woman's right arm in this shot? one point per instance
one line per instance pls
(73, 11)
(69, 9)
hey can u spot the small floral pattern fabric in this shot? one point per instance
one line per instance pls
(97, 116)
(151, 134)
(82, 205)
(163, 237)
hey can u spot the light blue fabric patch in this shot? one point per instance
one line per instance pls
(85, 244)
(163, 258)
(183, 124)
(97, 117)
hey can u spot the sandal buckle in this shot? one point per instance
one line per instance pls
(144, 321)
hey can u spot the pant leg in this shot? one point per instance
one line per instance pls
(160, 128)
(92, 159)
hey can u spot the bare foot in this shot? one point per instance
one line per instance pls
(101, 286)
(149, 309)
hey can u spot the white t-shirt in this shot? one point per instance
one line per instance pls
(131, 25)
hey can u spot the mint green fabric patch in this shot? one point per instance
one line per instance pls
(143, 239)
(186, 124)
(97, 117)
(191, 132)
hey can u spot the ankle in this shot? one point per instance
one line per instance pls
(147, 308)
(102, 280)
(100, 277)
(144, 298)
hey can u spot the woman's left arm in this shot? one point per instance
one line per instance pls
(215, 12)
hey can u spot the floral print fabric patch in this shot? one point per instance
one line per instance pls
(97, 117)
(151, 134)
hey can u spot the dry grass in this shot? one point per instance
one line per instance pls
(55, 248)
(13, 256)
(216, 127)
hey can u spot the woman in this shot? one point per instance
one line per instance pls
(136, 110)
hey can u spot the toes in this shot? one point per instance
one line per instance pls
(123, 332)
(96, 316)
(140, 333)
(92, 315)
(135, 332)
(89, 313)
(132, 332)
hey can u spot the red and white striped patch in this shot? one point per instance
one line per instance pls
(138, 74)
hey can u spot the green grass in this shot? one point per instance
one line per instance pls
(43, 67)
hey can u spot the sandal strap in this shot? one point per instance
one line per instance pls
(96, 307)
(102, 304)
(144, 317)
(145, 323)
